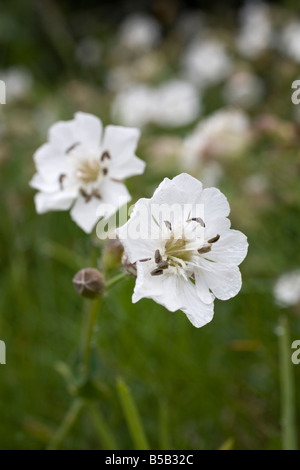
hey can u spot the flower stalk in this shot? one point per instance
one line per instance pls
(288, 405)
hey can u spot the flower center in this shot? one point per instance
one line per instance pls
(180, 254)
(88, 171)
(177, 249)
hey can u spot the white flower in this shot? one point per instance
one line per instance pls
(177, 104)
(186, 260)
(134, 106)
(172, 104)
(18, 82)
(243, 89)
(79, 167)
(224, 133)
(287, 289)
(290, 40)
(139, 32)
(256, 33)
(206, 62)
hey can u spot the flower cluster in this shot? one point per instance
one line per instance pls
(183, 258)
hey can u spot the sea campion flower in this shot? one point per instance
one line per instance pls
(226, 133)
(287, 289)
(206, 62)
(174, 103)
(256, 33)
(184, 250)
(80, 168)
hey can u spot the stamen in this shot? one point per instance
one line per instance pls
(96, 194)
(87, 197)
(204, 249)
(105, 171)
(214, 240)
(61, 180)
(163, 265)
(156, 272)
(197, 219)
(157, 256)
(69, 149)
(116, 180)
(105, 155)
(168, 224)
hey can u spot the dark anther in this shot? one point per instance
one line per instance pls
(156, 272)
(157, 256)
(214, 240)
(168, 224)
(105, 155)
(61, 180)
(87, 197)
(163, 265)
(69, 149)
(105, 171)
(197, 219)
(96, 194)
(205, 249)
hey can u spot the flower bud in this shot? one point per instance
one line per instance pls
(112, 254)
(130, 268)
(89, 282)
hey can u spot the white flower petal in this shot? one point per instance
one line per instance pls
(225, 283)
(50, 161)
(113, 196)
(58, 201)
(202, 287)
(146, 286)
(231, 249)
(198, 312)
(84, 128)
(173, 293)
(217, 227)
(215, 204)
(183, 189)
(88, 129)
(42, 184)
(140, 235)
(86, 214)
(121, 143)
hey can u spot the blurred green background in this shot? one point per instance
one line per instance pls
(194, 389)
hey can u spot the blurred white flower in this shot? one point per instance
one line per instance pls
(243, 89)
(139, 32)
(206, 62)
(256, 33)
(211, 173)
(134, 106)
(81, 168)
(224, 133)
(290, 40)
(18, 82)
(144, 68)
(187, 260)
(287, 289)
(177, 104)
(172, 104)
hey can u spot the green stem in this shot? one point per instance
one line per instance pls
(66, 425)
(87, 343)
(114, 280)
(105, 435)
(288, 408)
